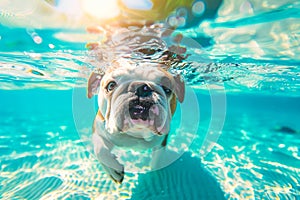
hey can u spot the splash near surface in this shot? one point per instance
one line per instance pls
(249, 59)
(80, 14)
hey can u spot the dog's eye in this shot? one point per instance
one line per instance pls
(111, 85)
(166, 90)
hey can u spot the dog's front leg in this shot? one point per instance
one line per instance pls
(102, 149)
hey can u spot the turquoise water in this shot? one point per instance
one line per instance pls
(238, 131)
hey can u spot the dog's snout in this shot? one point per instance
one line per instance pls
(143, 91)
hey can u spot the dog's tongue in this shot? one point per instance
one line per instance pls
(140, 117)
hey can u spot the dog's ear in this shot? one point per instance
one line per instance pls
(173, 104)
(179, 89)
(93, 84)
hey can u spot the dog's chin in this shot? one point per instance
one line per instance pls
(144, 126)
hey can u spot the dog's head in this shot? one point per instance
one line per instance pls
(135, 99)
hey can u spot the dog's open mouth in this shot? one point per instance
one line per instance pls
(139, 110)
(144, 115)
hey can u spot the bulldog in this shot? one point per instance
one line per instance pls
(136, 103)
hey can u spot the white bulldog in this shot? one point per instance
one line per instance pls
(136, 103)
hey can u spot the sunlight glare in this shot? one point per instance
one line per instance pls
(101, 9)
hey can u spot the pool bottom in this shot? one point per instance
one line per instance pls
(43, 157)
(69, 172)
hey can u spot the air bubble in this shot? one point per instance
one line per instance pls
(181, 12)
(198, 8)
(37, 39)
(172, 21)
(175, 21)
(181, 22)
(51, 46)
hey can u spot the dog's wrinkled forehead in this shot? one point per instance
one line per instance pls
(126, 72)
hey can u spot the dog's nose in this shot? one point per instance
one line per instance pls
(144, 91)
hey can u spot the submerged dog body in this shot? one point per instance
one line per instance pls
(136, 103)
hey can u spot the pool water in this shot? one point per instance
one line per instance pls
(238, 131)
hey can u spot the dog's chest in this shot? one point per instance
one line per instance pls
(141, 133)
(133, 140)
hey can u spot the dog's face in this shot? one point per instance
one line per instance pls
(136, 99)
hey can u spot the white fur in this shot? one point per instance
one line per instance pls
(117, 128)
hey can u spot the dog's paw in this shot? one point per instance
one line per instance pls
(116, 175)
